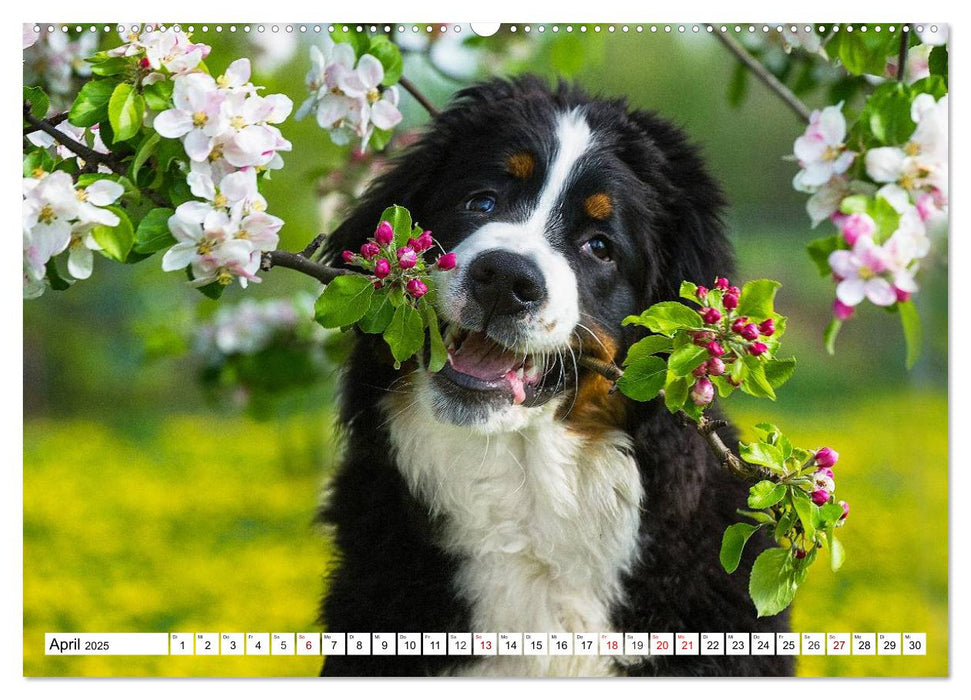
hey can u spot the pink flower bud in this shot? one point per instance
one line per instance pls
(715, 349)
(826, 457)
(824, 471)
(702, 392)
(701, 370)
(384, 234)
(739, 323)
(348, 256)
(734, 290)
(702, 338)
(820, 497)
(730, 301)
(767, 327)
(856, 225)
(716, 367)
(799, 553)
(425, 241)
(757, 348)
(749, 331)
(382, 268)
(901, 294)
(711, 315)
(407, 258)
(145, 63)
(447, 261)
(377, 284)
(369, 250)
(846, 509)
(722, 283)
(701, 293)
(842, 311)
(417, 288)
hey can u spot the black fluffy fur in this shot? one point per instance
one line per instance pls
(391, 575)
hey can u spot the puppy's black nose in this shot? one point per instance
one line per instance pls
(506, 283)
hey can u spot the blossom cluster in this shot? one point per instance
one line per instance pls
(59, 215)
(228, 133)
(909, 182)
(55, 60)
(251, 326)
(727, 336)
(401, 267)
(347, 99)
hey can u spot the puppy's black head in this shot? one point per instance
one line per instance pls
(567, 214)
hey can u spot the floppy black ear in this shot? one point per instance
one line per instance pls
(689, 227)
(408, 175)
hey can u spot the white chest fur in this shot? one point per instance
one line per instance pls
(546, 521)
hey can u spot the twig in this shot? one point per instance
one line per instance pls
(297, 261)
(706, 427)
(763, 74)
(53, 120)
(89, 154)
(418, 95)
(902, 53)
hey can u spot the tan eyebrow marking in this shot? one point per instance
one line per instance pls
(598, 206)
(521, 165)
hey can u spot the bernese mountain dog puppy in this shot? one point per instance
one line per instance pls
(514, 491)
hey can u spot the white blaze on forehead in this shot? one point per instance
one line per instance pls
(573, 139)
(553, 325)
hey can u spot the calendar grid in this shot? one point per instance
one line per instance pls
(488, 644)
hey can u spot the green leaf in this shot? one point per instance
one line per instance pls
(772, 585)
(145, 150)
(913, 332)
(738, 85)
(359, 41)
(116, 241)
(885, 217)
(675, 393)
(389, 55)
(158, 96)
(57, 282)
(829, 515)
(380, 138)
(378, 316)
(725, 388)
(820, 250)
(779, 371)
(756, 515)
(126, 109)
(40, 158)
(405, 335)
(111, 66)
(837, 555)
(438, 354)
(733, 542)
(862, 52)
(807, 511)
(757, 384)
(344, 301)
(667, 318)
(647, 346)
(686, 358)
(757, 299)
(762, 454)
(39, 103)
(829, 336)
(765, 494)
(643, 378)
(854, 204)
(688, 290)
(153, 234)
(785, 524)
(91, 104)
(887, 113)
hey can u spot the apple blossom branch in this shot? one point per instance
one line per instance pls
(902, 53)
(763, 74)
(413, 90)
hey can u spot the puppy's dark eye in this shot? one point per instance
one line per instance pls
(598, 247)
(482, 203)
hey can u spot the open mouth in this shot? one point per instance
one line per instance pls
(478, 363)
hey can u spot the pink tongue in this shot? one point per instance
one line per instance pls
(481, 358)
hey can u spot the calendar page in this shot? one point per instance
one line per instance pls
(487, 350)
